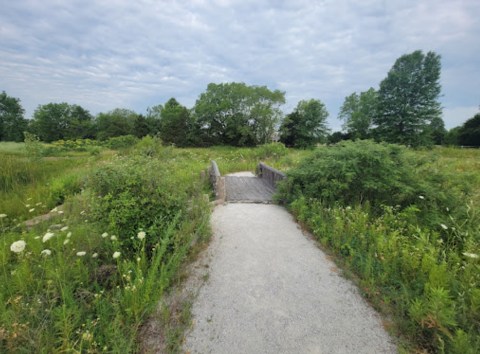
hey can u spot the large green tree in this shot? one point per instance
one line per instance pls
(237, 114)
(469, 132)
(408, 99)
(176, 124)
(12, 121)
(56, 121)
(357, 112)
(117, 122)
(306, 125)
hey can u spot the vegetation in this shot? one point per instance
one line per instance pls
(237, 114)
(88, 278)
(406, 224)
(469, 132)
(12, 122)
(306, 126)
(408, 99)
(357, 112)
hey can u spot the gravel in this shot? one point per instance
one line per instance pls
(272, 290)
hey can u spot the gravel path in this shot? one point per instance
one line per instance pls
(271, 290)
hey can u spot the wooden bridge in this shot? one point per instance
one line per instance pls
(245, 187)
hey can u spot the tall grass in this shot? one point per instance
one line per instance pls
(415, 250)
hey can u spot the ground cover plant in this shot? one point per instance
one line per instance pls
(87, 279)
(406, 223)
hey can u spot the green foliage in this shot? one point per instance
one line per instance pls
(364, 172)
(115, 123)
(237, 114)
(121, 142)
(176, 124)
(57, 121)
(417, 259)
(358, 111)
(469, 132)
(33, 146)
(12, 121)
(306, 125)
(408, 99)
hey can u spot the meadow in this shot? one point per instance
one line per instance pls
(134, 213)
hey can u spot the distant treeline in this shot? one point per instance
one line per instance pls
(404, 110)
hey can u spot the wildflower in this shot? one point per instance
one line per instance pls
(54, 210)
(69, 234)
(31, 210)
(87, 336)
(470, 255)
(81, 253)
(27, 205)
(113, 238)
(445, 227)
(18, 246)
(46, 252)
(47, 236)
(95, 255)
(116, 255)
(65, 228)
(66, 241)
(60, 211)
(141, 235)
(3, 216)
(38, 204)
(421, 197)
(105, 234)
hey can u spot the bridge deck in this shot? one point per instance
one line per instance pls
(248, 190)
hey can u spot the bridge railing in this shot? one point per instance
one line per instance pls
(269, 174)
(216, 180)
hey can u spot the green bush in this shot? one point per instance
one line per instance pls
(135, 194)
(121, 142)
(364, 172)
(272, 150)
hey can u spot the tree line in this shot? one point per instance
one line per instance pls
(405, 110)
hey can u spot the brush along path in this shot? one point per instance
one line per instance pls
(271, 290)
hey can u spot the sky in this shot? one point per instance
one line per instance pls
(134, 54)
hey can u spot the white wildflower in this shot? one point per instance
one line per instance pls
(105, 234)
(470, 255)
(65, 228)
(60, 211)
(54, 210)
(113, 238)
(81, 253)
(47, 236)
(31, 210)
(66, 241)
(445, 227)
(421, 197)
(27, 205)
(46, 252)
(3, 216)
(141, 235)
(116, 255)
(38, 204)
(69, 234)
(95, 255)
(18, 246)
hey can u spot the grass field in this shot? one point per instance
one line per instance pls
(87, 279)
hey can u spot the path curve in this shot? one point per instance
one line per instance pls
(272, 290)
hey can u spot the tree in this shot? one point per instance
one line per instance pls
(469, 133)
(408, 99)
(176, 124)
(12, 122)
(56, 121)
(117, 122)
(358, 111)
(237, 114)
(306, 125)
(437, 130)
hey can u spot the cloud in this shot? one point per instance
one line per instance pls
(135, 54)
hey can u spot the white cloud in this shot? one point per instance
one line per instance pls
(134, 54)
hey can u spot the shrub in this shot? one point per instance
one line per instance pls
(121, 142)
(364, 172)
(136, 194)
